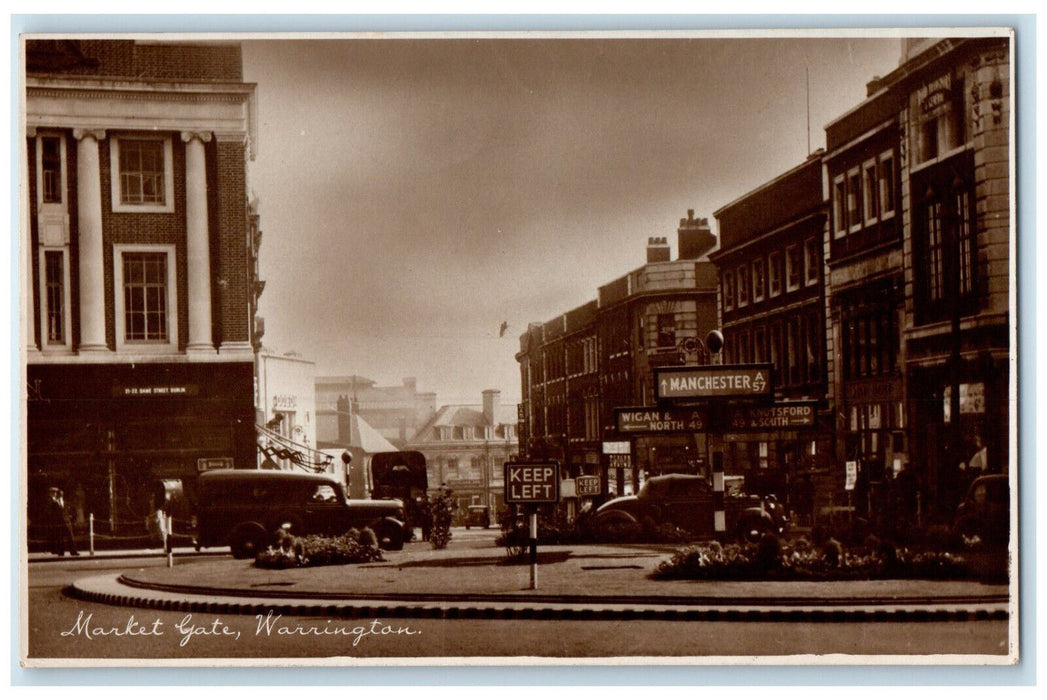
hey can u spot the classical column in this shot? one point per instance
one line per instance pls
(89, 231)
(198, 252)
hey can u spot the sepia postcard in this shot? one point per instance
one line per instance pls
(675, 348)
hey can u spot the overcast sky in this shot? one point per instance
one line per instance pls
(415, 194)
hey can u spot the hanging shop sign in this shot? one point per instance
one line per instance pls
(619, 447)
(654, 420)
(714, 381)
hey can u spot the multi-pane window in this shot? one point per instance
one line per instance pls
(945, 242)
(774, 274)
(777, 354)
(666, 329)
(760, 345)
(142, 171)
(743, 285)
(870, 193)
(743, 348)
(854, 199)
(54, 297)
(792, 351)
(759, 279)
(51, 169)
(965, 242)
(934, 253)
(870, 341)
(145, 297)
(728, 291)
(886, 186)
(812, 261)
(793, 267)
(813, 338)
(840, 207)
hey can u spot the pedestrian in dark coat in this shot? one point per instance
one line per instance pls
(60, 529)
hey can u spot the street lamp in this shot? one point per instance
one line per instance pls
(705, 351)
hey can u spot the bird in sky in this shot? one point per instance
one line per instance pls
(502, 329)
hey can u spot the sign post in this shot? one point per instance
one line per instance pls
(532, 484)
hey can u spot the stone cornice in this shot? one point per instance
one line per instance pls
(224, 109)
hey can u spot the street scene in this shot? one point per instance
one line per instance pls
(690, 348)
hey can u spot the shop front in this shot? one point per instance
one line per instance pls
(962, 439)
(874, 443)
(109, 436)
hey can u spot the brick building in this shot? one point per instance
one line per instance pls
(579, 367)
(138, 270)
(772, 310)
(956, 159)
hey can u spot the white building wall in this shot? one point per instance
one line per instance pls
(287, 386)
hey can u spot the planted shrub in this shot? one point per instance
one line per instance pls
(768, 552)
(801, 561)
(442, 508)
(353, 547)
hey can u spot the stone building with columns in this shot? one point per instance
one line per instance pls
(137, 270)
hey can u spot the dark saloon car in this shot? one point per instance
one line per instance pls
(688, 502)
(243, 508)
(985, 511)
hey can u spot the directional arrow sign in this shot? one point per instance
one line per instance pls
(714, 381)
(794, 414)
(649, 419)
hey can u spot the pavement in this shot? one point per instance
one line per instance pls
(474, 579)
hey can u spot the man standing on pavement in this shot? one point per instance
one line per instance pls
(60, 530)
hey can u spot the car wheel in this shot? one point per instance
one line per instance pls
(610, 524)
(390, 538)
(247, 540)
(752, 529)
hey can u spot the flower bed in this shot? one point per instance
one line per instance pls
(770, 559)
(354, 547)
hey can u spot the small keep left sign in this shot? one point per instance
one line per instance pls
(532, 482)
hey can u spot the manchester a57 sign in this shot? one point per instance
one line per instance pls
(714, 381)
(532, 482)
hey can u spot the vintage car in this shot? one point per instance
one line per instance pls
(687, 501)
(244, 508)
(985, 511)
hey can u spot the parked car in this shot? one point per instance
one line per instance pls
(243, 509)
(985, 512)
(688, 502)
(480, 516)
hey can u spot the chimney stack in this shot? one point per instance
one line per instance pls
(491, 398)
(657, 249)
(695, 237)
